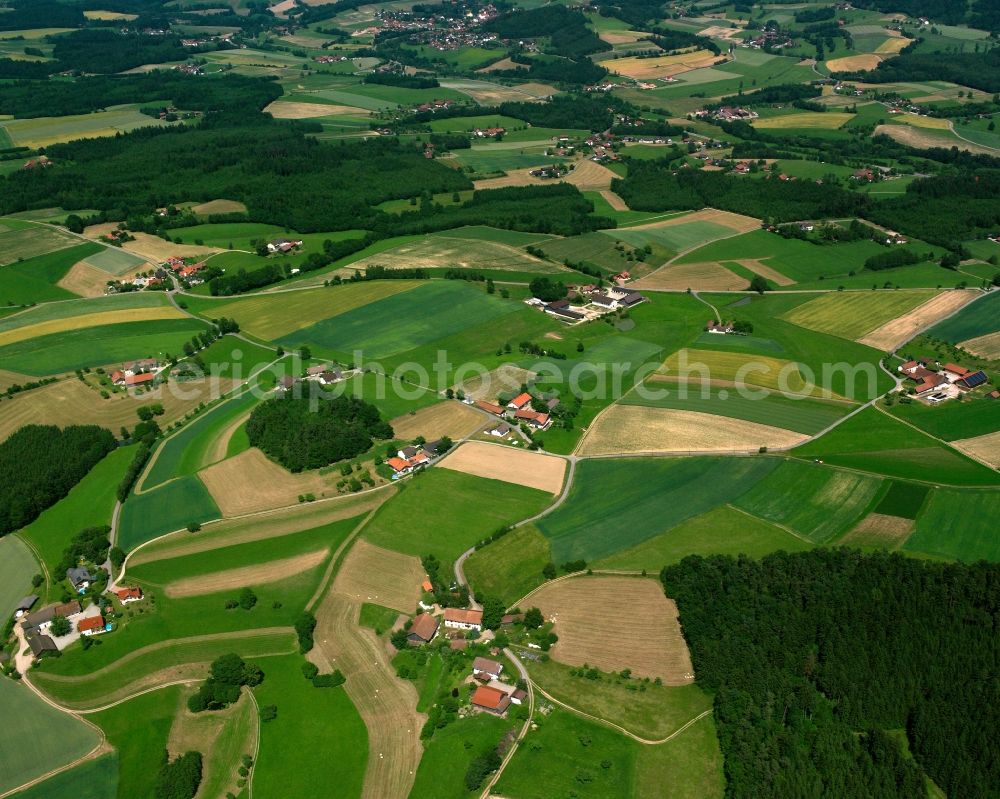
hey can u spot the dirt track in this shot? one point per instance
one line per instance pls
(385, 702)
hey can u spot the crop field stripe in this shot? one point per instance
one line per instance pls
(980, 318)
(81, 307)
(852, 315)
(975, 538)
(74, 323)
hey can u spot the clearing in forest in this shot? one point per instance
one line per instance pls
(453, 419)
(499, 462)
(616, 623)
(632, 428)
(258, 574)
(380, 576)
(898, 331)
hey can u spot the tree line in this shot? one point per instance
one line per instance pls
(813, 657)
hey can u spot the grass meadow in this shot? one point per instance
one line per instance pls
(817, 502)
(166, 508)
(88, 504)
(92, 779)
(952, 420)
(444, 513)
(721, 531)
(84, 307)
(447, 755)
(43, 131)
(17, 566)
(903, 499)
(978, 319)
(318, 737)
(37, 737)
(34, 279)
(873, 441)
(854, 314)
(23, 239)
(691, 764)
(617, 504)
(974, 539)
(511, 566)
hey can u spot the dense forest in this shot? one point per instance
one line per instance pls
(573, 111)
(104, 51)
(978, 70)
(566, 30)
(302, 433)
(58, 98)
(41, 463)
(817, 659)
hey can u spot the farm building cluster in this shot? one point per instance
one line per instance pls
(936, 382)
(592, 302)
(413, 458)
(136, 373)
(520, 409)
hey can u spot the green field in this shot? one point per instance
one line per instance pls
(164, 509)
(44, 131)
(94, 346)
(676, 238)
(722, 531)
(23, 239)
(139, 729)
(801, 415)
(817, 502)
(596, 249)
(939, 534)
(443, 513)
(36, 737)
(34, 279)
(952, 420)
(567, 750)
(487, 160)
(616, 504)
(233, 358)
(92, 779)
(978, 319)
(317, 739)
(404, 321)
(509, 567)
(514, 238)
(115, 261)
(691, 764)
(903, 499)
(447, 755)
(17, 567)
(873, 442)
(82, 307)
(852, 315)
(88, 504)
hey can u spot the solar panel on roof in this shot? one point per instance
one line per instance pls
(975, 379)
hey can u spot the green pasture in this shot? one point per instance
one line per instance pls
(188, 451)
(92, 779)
(676, 238)
(88, 504)
(464, 58)
(952, 420)
(83, 307)
(93, 346)
(232, 358)
(377, 617)
(653, 713)
(390, 397)
(404, 321)
(465, 124)
(44, 131)
(34, 279)
(513, 238)
(816, 502)
(441, 774)
(168, 507)
(903, 499)
(511, 566)
(618, 503)
(230, 235)
(804, 415)
(691, 764)
(873, 441)
(17, 567)
(318, 737)
(977, 319)
(115, 261)
(939, 534)
(568, 750)
(20, 239)
(37, 737)
(487, 160)
(852, 315)
(138, 729)
(595, 249)
(721, 531)
(443, 513)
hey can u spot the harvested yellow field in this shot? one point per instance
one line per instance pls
(706, 276)
(249, 482)
(273, 316)
(499, 462)
(738, 223)
(662, 66)
(501, 380)
(853, 63)
(590, 176)
(380, 576)
(284, 109)
(612, 199)
(109, 16)
(89, 281)
(918, 121)
(762, 269)
(153, 248)
(923, 139)
(983, 448)
(633, 428)
(898, 331)
(721, 32)
(737, 367)
(987, 346)
(88, 320)
(621, 37)
(877, 528)
(272, 524)
(9, 378)
(450, 418)
(70, 401)
(824, 120)
(893, 45)
(259, 574)
(616, 623)
(442, 251)
(219, 207)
